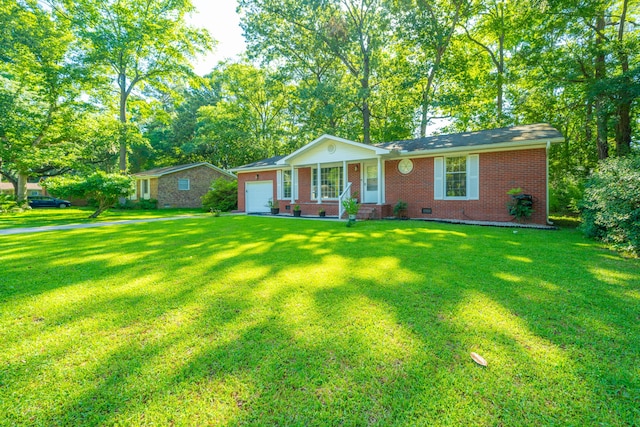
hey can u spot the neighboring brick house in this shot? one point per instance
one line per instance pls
(464, 176)
(178, 186)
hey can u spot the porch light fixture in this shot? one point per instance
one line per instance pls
(257, 176)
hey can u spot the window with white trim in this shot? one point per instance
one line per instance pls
(331, 182)
(286, 184)
(184, 184)
(456, 177)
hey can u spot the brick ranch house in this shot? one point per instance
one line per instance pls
(177, 186)
(463, 176)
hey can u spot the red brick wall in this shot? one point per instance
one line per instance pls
(168, 195)
(243, 178)
(499, 172)
(308, 206)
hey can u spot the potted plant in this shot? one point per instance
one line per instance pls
(296, 210)
(521, 205)
(322, 212)
(273, 205)
(351, 206)
(400, 210)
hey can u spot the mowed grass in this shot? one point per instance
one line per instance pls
(80, 215)
(268, 321)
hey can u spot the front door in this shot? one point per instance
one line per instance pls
(370, 184)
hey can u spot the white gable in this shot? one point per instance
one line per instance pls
(330, 149)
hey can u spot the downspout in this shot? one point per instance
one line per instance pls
(547, 182)
(380, 180)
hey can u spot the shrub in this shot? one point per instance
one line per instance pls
(8, 204)
(222, 196)
(610, 208)
(147, 204)
(521, 205)
(400, 209)
(102, 187)
(565, 196)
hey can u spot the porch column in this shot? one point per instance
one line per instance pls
(380, 183)
(345, 176)
(318, 191)
(294, 184)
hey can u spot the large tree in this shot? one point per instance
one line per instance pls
(352, 32)
(39, 92)
(425, 30)
(137, 42)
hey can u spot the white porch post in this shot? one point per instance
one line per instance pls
(318, 191)
(380, 183)
(345, 176)
(293, 184)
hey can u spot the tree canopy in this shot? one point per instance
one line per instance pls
(366, 70)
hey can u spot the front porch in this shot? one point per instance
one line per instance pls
(331, 209)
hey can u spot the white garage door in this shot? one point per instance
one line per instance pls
(257, 195)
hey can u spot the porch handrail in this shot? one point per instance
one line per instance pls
(346, 192)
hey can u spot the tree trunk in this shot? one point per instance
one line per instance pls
(623, 128)
(366, 111)
(122, 82)
(21, 188)
(601, 98)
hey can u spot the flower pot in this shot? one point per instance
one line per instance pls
(275, 211)
(352, 217)
(322, 214)
(297, 213)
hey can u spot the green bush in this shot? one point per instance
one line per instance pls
(565, 196)
(142, 204)
(147, 204)
(223, 196)
(610, 208)
(100, 186)
(8, 204)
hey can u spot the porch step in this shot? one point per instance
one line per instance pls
(368, 212)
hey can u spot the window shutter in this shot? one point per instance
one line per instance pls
(279, 185)
(473, 177)
(438, 178)
(295, 185)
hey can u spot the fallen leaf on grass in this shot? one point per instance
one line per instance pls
(478, 359)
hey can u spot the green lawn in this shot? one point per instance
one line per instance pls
(80, 215)
(266, 321)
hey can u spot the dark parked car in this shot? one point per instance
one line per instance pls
(47, 202)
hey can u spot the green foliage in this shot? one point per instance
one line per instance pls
(223, 196)
(611, 205)
(142, 204)
(351, 205)
(40, 87)
(104, 188)
(564, 198)
(8, 204)
(140, 43)
(520, 205)
(400, 208)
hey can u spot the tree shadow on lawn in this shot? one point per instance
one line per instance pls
(259, 332)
